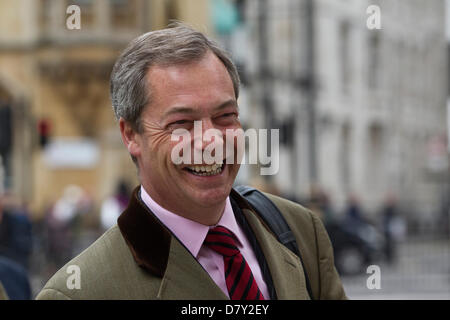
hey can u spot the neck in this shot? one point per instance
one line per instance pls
(208, 216)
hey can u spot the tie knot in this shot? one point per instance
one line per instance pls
(222, 240)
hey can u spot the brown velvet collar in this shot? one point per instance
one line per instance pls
(147, 238)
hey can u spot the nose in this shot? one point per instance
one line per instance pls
(206, 133)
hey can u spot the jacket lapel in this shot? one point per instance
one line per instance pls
(157, 251)
(285, 267)
(186, 279)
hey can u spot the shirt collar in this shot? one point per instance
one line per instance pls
(192, 234)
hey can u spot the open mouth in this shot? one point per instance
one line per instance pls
(205, 170)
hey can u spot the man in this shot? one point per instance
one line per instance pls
(186, 233)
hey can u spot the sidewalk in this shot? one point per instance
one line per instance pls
(422, 271)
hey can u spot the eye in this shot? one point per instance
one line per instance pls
(180, 122)
(227, 119)
(230, 114)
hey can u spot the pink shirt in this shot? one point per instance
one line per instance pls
(192, 234)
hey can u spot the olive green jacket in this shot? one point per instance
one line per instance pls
(3, 294)
(139, 258)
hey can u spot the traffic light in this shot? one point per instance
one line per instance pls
(44, 128)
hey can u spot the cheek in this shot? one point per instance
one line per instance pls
(234, 144)
(157, 150)
(157, 141)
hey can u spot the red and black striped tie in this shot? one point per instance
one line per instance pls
(239, 278)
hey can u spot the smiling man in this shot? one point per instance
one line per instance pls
(199, 90)
(186, 233)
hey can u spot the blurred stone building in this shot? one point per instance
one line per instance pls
(55, 83)
(360, 111)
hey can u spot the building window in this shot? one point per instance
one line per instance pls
(87, 12)
(375, 158)
(373, 63)
(123, 14)
(344, 55)
(345, 153)
(46, 14)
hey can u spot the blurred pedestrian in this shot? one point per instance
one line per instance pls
(14, 279)
(15, 231)
(114, 205)
(319, 202)
(15, 249)
(393, 228)
(354, 216)
(63, 222)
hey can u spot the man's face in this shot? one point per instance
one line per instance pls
(199, 91)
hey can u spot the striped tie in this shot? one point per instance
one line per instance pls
(239, 278)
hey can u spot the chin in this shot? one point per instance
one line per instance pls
(211, 197)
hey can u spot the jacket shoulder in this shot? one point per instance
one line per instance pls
(105, 270)
(301, 222)
(315, 247)
(3, 295)
(294, 213)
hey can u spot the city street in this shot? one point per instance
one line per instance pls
(422, 271)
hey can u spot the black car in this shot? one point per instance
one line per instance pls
(356, 246)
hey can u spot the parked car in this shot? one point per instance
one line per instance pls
(355, 246)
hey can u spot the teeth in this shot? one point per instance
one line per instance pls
(207, 170)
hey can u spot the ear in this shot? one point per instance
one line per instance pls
(130, 138)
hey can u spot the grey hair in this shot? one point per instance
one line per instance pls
(177, 44)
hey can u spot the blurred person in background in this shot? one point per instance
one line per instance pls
(114, 205)
(15, 231)
(354, 216)
(356, 241)
(63, 224)
(15, 248)
(14, 279)
(319, 202)
(393, 227)
(265, 186)
(185, 232)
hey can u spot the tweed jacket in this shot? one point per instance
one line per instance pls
(3, 295)
(139, 258)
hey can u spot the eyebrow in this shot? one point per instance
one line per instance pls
(189, 110)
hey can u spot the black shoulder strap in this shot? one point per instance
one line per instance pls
(275, 221)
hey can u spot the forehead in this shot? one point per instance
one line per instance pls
(199, 84)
